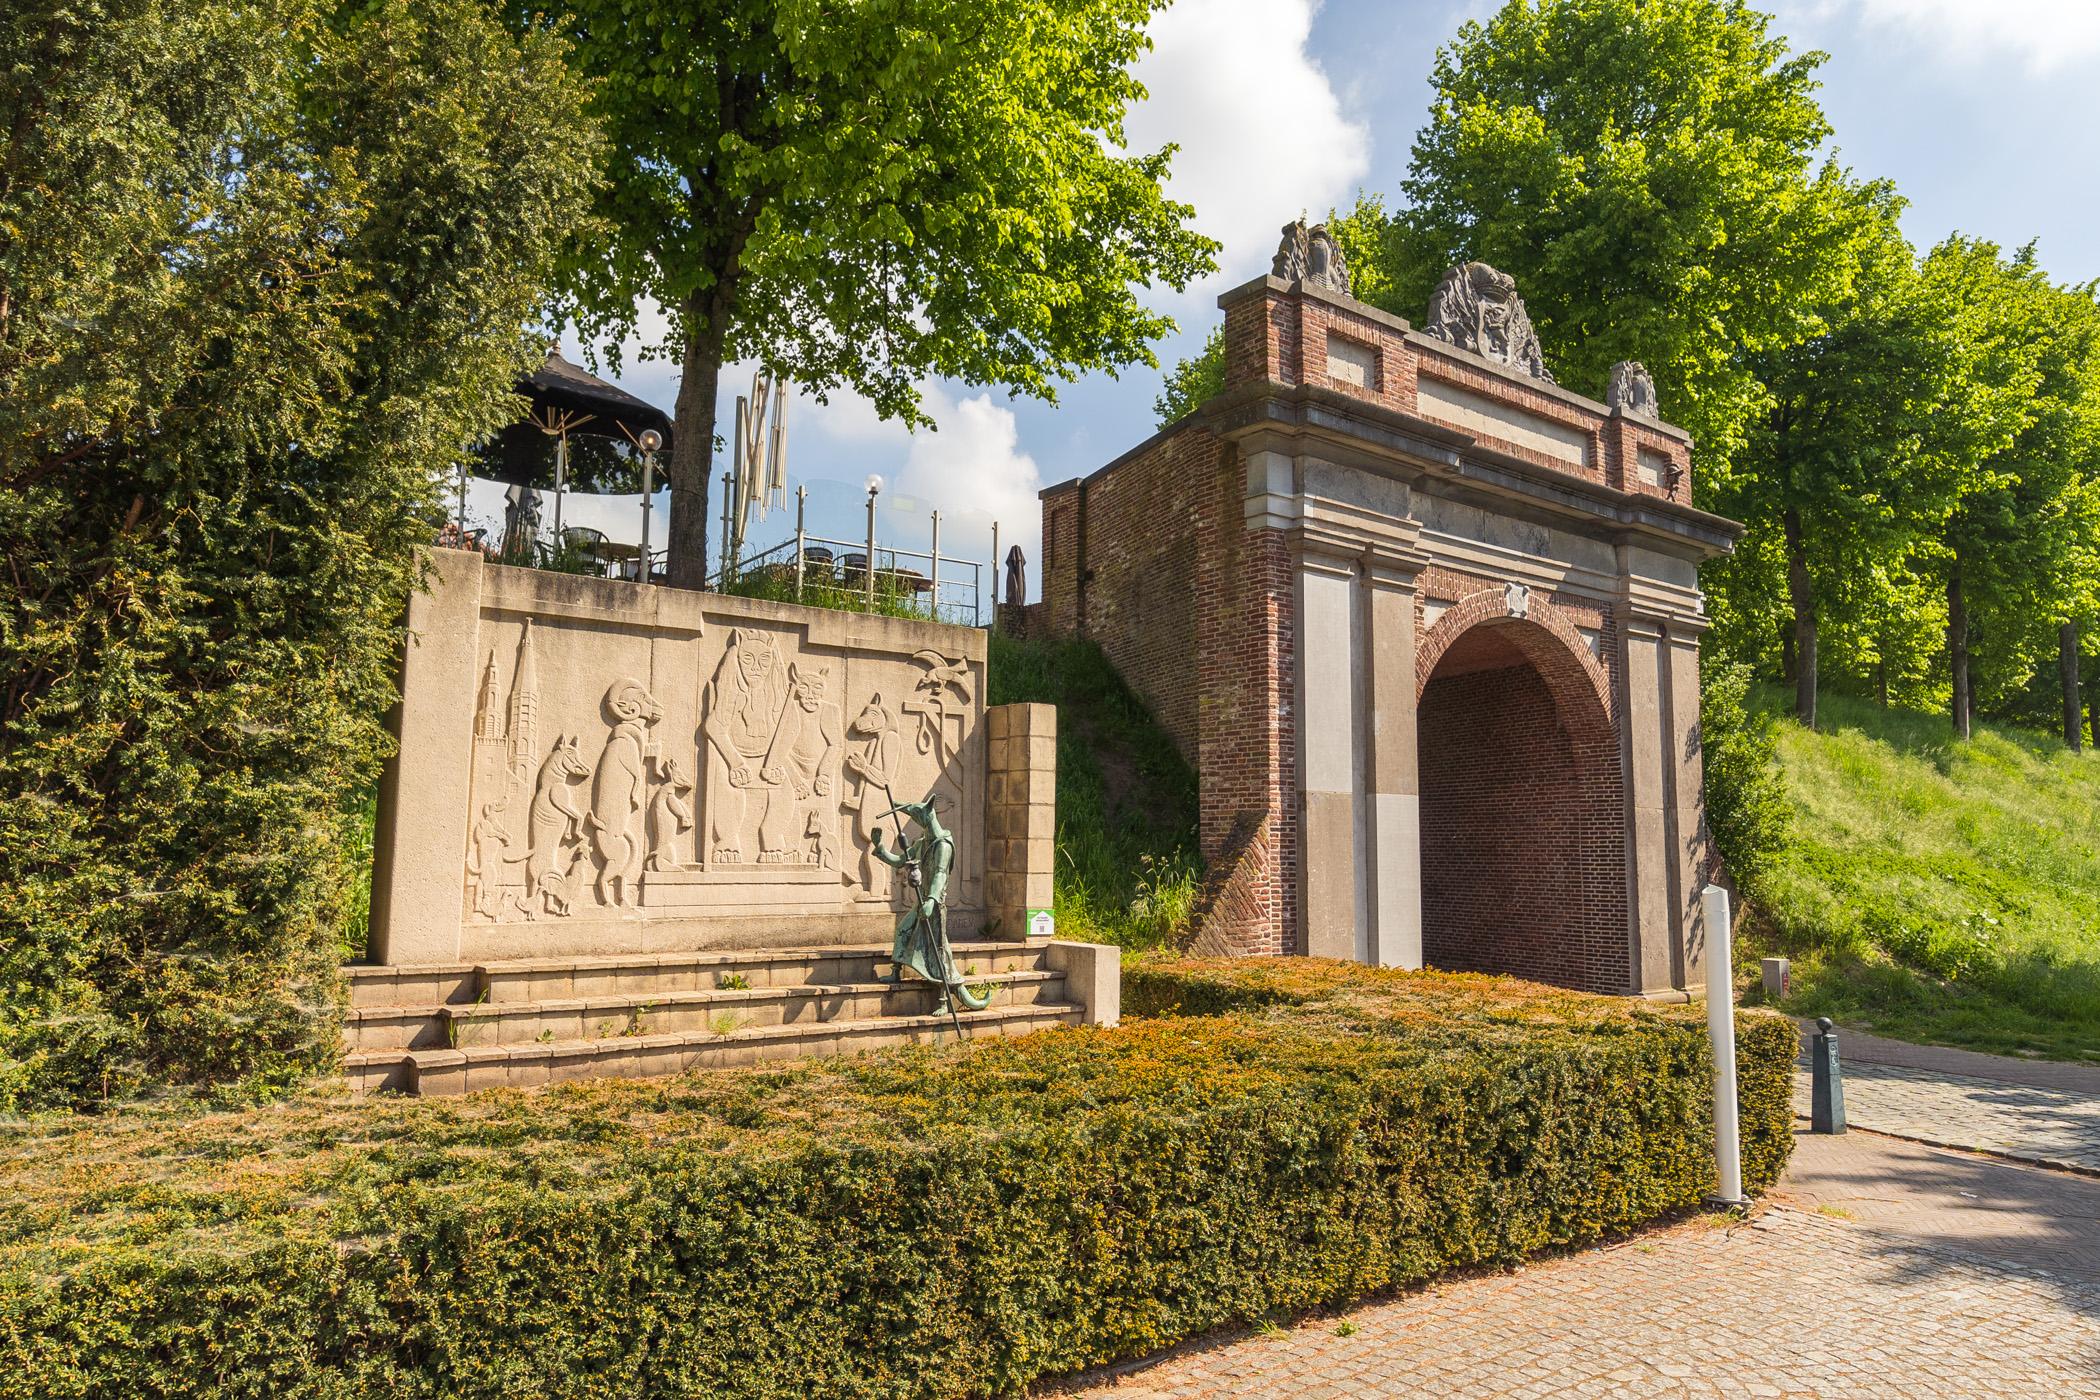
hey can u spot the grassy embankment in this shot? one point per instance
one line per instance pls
(1938, 891)
(1127, 863)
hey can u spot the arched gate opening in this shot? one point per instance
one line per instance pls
(1523, 859)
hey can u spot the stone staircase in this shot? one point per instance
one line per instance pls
(455, 1029)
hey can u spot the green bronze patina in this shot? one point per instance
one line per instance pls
(922, 933)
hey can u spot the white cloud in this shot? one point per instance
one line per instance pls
(1263, 135)
(974, 471)
(2045, 35)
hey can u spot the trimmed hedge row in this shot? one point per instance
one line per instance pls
(928, 1224)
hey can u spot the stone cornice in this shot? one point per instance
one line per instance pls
(1418, 449)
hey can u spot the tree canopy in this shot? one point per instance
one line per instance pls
(862, 196)
(264, 272)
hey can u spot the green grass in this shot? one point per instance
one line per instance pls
(1128, 867)
(1937, 891)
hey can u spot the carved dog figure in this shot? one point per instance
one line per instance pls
(554, 822)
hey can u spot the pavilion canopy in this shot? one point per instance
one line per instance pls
(561, 386)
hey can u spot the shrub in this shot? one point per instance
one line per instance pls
(1746, 801)
(268, 269)
(929, 1223)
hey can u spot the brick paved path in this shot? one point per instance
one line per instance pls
(1936, 1287)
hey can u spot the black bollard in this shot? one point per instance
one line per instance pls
(1827, 1081)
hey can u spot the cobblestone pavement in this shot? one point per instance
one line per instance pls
(1858, 1047)
(1885, 1269)
(2011, 1119)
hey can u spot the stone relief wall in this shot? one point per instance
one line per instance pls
(651, 770)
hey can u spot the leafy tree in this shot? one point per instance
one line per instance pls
(1856, 460)
(859, 196)
(2017, 560)
(1193, 382)
(1647, 172)
(1746, 802)
(264, 270)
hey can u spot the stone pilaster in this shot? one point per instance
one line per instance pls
(1395, 837)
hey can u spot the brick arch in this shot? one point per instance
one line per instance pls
(1491, 605)
(1522, 799)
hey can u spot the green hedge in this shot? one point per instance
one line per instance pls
(933, 1223)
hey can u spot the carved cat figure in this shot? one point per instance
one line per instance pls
(801, 768)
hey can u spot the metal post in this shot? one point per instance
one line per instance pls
(462, 505)
(728, 481)
(871, 544)
(1720, 1026)
(934, 598)
(1826, 1081)
(995, 574)
(561, 480)
(801, 514)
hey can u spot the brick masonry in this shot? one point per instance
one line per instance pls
(1551, 833)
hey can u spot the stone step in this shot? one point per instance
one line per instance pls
(455, 1071)
(543, 979)
(630, 1013)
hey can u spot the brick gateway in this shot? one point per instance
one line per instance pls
(1427, 625)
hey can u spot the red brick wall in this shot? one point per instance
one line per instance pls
(1145, 522)
(1523, 860)
(1246, 665)
(1196, 614)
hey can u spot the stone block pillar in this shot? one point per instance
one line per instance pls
(422, 839)
(1021, 823)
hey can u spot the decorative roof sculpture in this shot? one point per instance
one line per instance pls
(1310, 255)
(1477, 308)
(1632, 390)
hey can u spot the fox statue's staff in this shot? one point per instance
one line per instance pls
(922, 932)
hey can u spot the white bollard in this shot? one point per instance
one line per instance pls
(1720, 1026)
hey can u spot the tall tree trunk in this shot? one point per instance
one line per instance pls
(1958, 649)
(1801, 593)
(693, 442)
(2067, 671)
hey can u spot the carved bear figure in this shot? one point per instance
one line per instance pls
(743, 708)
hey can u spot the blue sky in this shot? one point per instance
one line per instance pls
(1984, 113)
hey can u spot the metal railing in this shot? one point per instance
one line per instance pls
(946, 588)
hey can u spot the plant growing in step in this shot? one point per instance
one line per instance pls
(724, 1022)
(732, 982)
(637, 1019)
